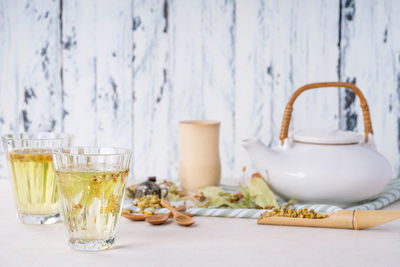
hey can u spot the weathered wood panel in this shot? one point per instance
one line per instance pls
(79, 70)
(202, 70)
(370, 58)
(30, 84)
(218, 75)
(8, 81)
(114, 102)
(314, 57)
(282, 46)
(186, 99)
(97, 71)
(124, 73)
(36, 35)
(253, 93)
(151, 88)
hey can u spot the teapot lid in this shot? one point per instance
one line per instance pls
(327, 137)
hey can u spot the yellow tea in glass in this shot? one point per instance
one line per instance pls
(30, 164)
(92, 184)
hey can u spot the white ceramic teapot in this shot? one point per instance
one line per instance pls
(317, 166)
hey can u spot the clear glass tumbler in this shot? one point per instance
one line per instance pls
(30, 164)
(91, 182)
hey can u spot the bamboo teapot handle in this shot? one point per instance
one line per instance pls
(289, 106)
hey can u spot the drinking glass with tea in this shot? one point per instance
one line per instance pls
(30, 165)
(92, 184)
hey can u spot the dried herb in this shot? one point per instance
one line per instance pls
(147, 203)
(300, 213)
(174, 193)
(257, 195)
(260, 193)
(199, 197)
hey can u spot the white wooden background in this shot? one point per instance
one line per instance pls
(124, 72)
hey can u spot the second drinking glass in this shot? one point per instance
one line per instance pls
(91, 183)
(32, 174)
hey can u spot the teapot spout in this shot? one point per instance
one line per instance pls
(249, 142)
(262, 157)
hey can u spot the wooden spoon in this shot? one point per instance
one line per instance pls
(142, 217)
(162, 218)
(179, 218)
(158, 219)
(134, 217)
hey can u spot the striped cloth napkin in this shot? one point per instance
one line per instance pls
(388, 196)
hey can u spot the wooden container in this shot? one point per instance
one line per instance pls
(199, 160)
(348, 219)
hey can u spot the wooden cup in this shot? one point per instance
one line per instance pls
(199, 160)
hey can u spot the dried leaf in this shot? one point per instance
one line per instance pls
(260, 192)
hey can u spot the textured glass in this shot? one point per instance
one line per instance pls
(92, 184)
(30, 164)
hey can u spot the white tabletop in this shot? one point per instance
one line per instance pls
(211, 242)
